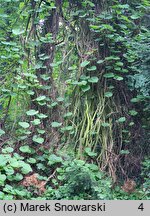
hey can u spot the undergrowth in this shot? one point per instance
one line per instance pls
(60, 176)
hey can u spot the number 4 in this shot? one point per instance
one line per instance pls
(141, 207)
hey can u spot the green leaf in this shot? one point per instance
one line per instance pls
(40, 166)
(23, 137)
(121, 120)
(40, 131)
(8, 188)
(85, 88)
(18, 177)
(135, 100)
(52, 104)
(100, 61)
(45, 77)
(30, 92)
(54, 159)
(25, 149)
(2, 179)
(56, 64)
(93, 166)
(18, 157)
(131, 123)
(82, 83)
(91, 3)
(31, 160)
(14, 163)
(27, 132)
(93, 68)
(119, 78)
(109, 75)
(17, 31)
(108, 94)
(31, 75)
(72, 67)
(85, 63)
(119, 64)
(36, 122)
(83, 77)
(111, 87)
(42, 116)
(38, 139)
(41, 98)
(90, 153)
(67, 128)
(22, 86)
(3, 160)
(56, 124)
(106, 26)
(105, 124)
(41, 103)
(60, 177)
(124, 152)
(135, 16)
(112, 58)
(69, 114)
(133, 112)
(125, 131)
(10, 177)
(32, 112)
(42, 57)
(26, 168)
(93, 79)
(2, 132)
(60, 99)
(9, 170)
(118, 69)
(95, 27)
(38, 66)
(7, 150)
(24, 124)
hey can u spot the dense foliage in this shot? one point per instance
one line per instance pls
(74, 99)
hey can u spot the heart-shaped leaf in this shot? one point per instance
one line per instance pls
(84, 64)
(24, 124)
(56, 124)
(93, 79)
(32, 112)
(38, 139)
(109, 75)
(108, 94)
